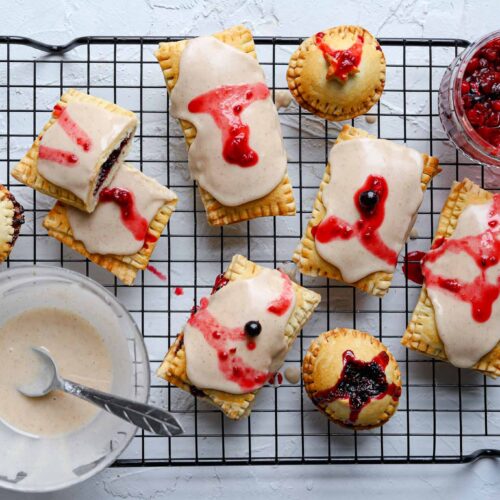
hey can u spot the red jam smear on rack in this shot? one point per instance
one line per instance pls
(412, 266)
(484, 249)
(152, 269)
(225, 104)
(360, 382)
(341, 63)
(55, 155)
(480, 92)
(366, 227)
(71, 128)
(131, 218)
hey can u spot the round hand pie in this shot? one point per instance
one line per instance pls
(352, 378)
(338, 74)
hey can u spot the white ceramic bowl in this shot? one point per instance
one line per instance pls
(40, 464)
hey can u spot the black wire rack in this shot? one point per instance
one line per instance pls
(445, 414)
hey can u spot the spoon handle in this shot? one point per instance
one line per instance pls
(149, 418)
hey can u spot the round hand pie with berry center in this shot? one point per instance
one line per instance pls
(338, 74)
(352, 378)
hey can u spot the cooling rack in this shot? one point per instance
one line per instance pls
(445, 414)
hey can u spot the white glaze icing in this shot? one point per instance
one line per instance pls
(234, 305)
(282, 99)
(103, 231)
(106, 130)
(206, 64)
(351, 163)
(466, 341)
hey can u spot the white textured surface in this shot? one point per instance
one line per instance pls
(59, 21)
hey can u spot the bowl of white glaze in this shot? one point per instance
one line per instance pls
(41, 463)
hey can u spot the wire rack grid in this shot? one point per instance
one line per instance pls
(445, 414)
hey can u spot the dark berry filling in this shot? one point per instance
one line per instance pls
(18, 219)
(481, 92)
(253, 328)
(368, 199)
(107, 166)
(359, 382)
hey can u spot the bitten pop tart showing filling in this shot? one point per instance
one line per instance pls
(11, 220)
(239, 336)
(365, 208)
(457, 317)
(122, 232)
(79, 150)
(236, 151)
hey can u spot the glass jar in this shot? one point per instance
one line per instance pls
(473, 131)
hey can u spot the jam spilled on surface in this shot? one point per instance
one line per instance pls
(179, 291)
(60, 156)
(156, 272)
(342, 63)
(360, 382)
(484, 248)
(71, 128)
(366, 227)
(281, 305)
(225, 105)
(412, 267)
(131, 218)
(480, 91)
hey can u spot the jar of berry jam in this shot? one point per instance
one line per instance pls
(469, 100)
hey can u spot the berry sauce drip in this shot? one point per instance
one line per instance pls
(55, 155)
(156, 272)
(360, 382)
(220, 281)
(131, 218)
(412, 267)
(230, 364)
(484, 249)
(480, 92)
(71, 128)
(341, 63)
(225, 105)
(179, 291)
(366, 227)
(281, 305)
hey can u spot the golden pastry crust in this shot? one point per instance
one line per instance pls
(11, 219)
(280, 200)
(331, 99)
(236, 406)
(26, 170)
(422, 334)
(323, 366)
(124, 267)
(306, 256)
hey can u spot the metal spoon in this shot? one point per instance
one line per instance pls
(147, 417)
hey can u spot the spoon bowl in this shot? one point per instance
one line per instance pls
(47, 379)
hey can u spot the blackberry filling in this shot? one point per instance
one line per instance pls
(108, 164)
(18, 219)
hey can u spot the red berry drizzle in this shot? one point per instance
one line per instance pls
(225, 104)
(65, 158)
(341, 62)
(360, 382)
(131, 218)
(480, 92)
(366, 227)
(152, 269)
(281, 305)
(71, 128)
(230, 364)
(484, 248)
(412, 267)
